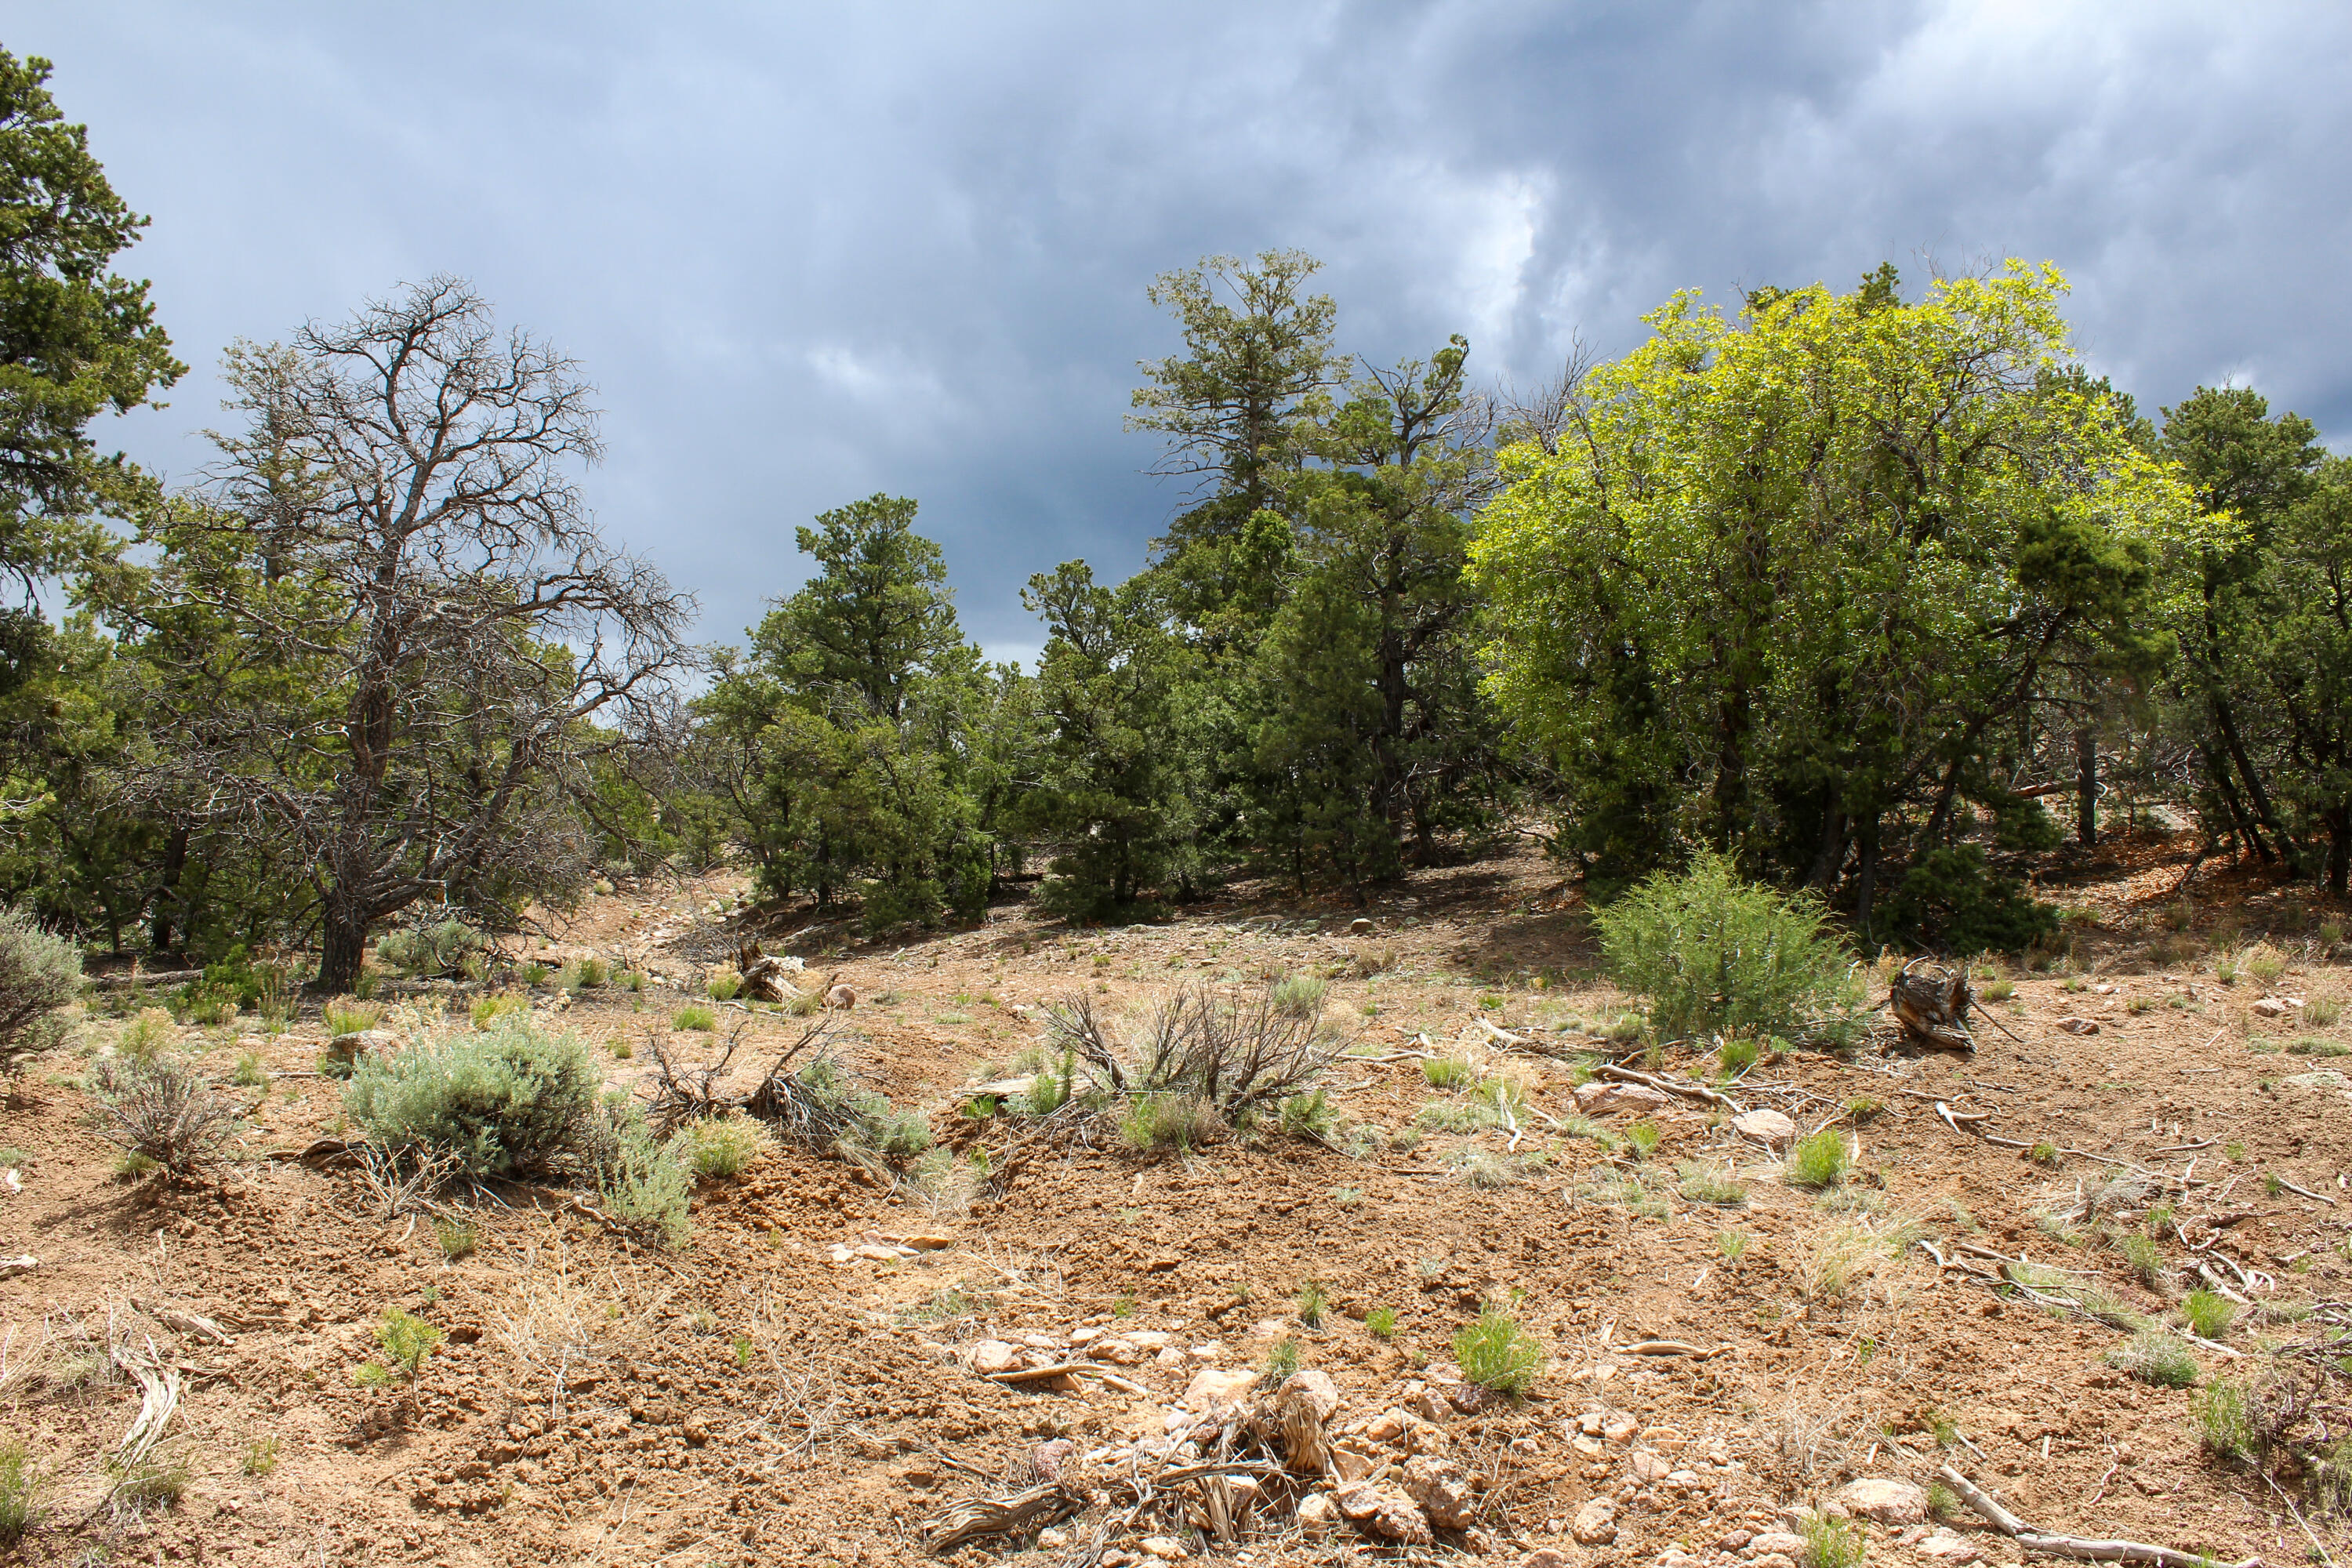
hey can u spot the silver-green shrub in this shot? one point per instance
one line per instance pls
(512, 1100)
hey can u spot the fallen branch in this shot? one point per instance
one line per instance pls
(2077, 1546)
(1668, 1086)
(1672, 1347)
(1012, 1515)
(2306, 1191)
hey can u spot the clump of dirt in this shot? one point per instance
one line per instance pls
(1033, 1347)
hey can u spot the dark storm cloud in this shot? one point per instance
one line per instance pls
(807, 254)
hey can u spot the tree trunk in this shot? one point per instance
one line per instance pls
(2086, 784)
(163, 927)
(343, 947)
(1823, 874)
(1866, 879)
(2339, 848)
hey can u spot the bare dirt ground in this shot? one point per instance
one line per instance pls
(772, 1393)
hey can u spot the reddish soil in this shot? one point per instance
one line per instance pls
(747, 1398)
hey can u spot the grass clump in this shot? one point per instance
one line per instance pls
(488, 1010)
(248, 1073)
(512, 1100)
(2155, 1356)
(1176, 1120)
(2044, 1155)
(457, 1240)
(1818, 1160)
(1494, 1351)
(1457, 1116)
(2321, 1012)
(1832, 1543)
(405, 1341)
(19, 1504)
(1309, 1115)
(695, 1019)
(345, 1019)
(2208, 1313)
(1644, 1138)
(2223, 1428)
(261, 1457)
(2317, 1046)
(1299, 996)
(1736, 1056)
(724, 987)
(1717, 954)
(1710, 1185)
(2145, 1258)
(1447, 1072)
(721, 1146)
(1312, 1304)
(1381, 1322)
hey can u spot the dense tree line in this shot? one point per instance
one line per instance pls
(1851, 588)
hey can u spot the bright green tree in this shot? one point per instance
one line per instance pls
(1787, 580)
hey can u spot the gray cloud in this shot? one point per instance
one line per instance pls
(810, 253)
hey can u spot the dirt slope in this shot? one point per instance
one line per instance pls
(770, 1394)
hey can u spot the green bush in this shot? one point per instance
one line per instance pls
(1643, 1136)
(38, 974)
(512, 1100)
(1495, 1353)
(342, 1020)
(695, 1019)
(1381, 1322)
(725, 987)
(1953, 899)
(1715, 954)
(2222, 1424)
(1171, 1121)
(433, 950)
(406, 1341)
(1832, 1543)
(1736, 1056)
(1447, 1072)
(1818, 1160)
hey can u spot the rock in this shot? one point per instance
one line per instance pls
(1318, 1517)
(1419, 1436)
(1167, 1548)
(1313, 1388)
(1118, 1351)
(2270, 1007)
(1544, 1557)
(1604, 1098)
(1735, 1539)
(991, 1356)
(1354, 1462)
(1588, 1448)
(1385, 1428)
(1595, 1523)
(1647, 1465)
(1620, 1428)
(1149, 1339)
(929, 1243)
(1384, 1512)
(1429, 1405)
(1884, 1500)
(23, 1263)
(1052, 1539)
(2078, 1025)
(1761, 1560)
(1790, 1546)
(2324, 1078)
(1943, 1546)
(1206, 1351)
(1088, 1335)
(1048, 1458)
(1767, 1126)
(1359, 926)
(1169, 1356)
(1214, 1390)
(1441, 1490)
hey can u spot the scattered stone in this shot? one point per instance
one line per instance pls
(1052, 1539)
(1595, 1523)
(1776, 1541)
(1441, 1490)
(1767, 1126)
(1420, 1437)
(1735, 1539)
(1206, 1351)
(928, 1243)
(1166, 1547)
(1943, 1546)
(1359, 926)
(1354, 1462)
(1544, 1557)
(1383, 1511)
(1214, 1390)
(1620, 1428)
(1385, 1428)
(1314, 1389)
(1604, 1098)
(1884, 1500)
(1118, 1351)
(1318, 1517)
(1761, 1560)
(1150, 1339)
(1048, 1458)
(2325, 1078)
(991, 1356)
(1429, 1405)
(1648, 1466)
(2270, 1007)
(2078, 1025)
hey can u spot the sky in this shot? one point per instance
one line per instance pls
(810, 253)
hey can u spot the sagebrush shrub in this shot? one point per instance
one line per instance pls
(647, 1183)
(721, 1146)
(1716, 954)
(2154, 1356)
(38, 974)
(163, 1111)
(17, 1503)
(1301, 996)
(512, 1100)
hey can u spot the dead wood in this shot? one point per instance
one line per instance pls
(1016, 1514)
(2077, 1546)
(1932, 1005)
